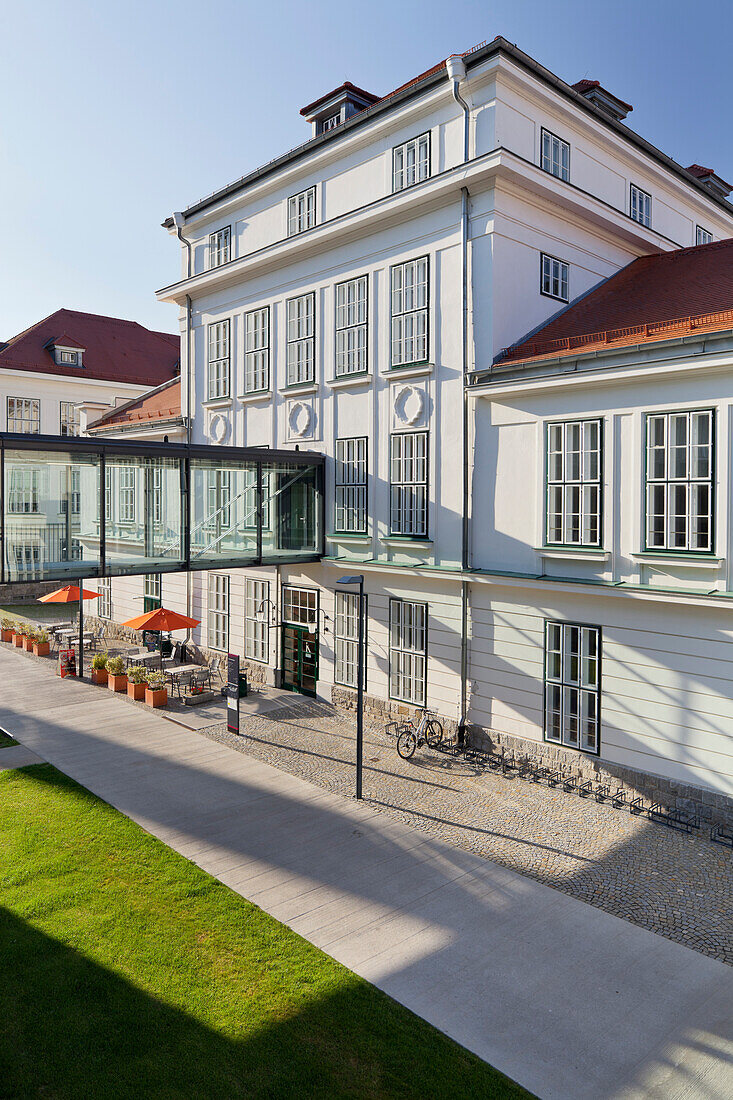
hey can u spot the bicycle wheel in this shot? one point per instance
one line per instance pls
(434, 732)
(406, 743)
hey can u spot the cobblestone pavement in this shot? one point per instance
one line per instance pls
(676, 885)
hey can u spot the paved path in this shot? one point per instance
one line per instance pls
(570, 1001)
(17, 756)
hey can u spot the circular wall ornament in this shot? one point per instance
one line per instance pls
(300, 418)
(218, 428)
(409, 404)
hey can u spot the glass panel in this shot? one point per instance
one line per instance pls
(223, 512)
(51, 515)
(143, 514)
(292, 495)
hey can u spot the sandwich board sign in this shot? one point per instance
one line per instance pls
(233, 692)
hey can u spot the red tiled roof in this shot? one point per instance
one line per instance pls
(163, 403)
(114, 350)
(652, 298)
(66, 341)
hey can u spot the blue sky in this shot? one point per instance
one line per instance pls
(115, 115)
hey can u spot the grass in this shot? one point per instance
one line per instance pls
(35, 612)
(127, 972)
(6, 740)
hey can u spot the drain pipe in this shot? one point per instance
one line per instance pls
(456, 69)
(179, 221)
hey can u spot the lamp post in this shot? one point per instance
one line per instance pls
(359, 681)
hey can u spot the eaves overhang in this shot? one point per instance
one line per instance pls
(499, 46)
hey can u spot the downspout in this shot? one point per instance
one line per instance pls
(178, 221)
(457, 73)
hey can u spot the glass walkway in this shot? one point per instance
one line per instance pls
(75, 507)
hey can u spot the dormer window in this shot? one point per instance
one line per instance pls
(66, 351)
(328, 112)
(68, 357)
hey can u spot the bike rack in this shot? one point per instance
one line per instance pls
(673, 819)
(618, 801)
(601, 793)
(719, 835)
(585, 788)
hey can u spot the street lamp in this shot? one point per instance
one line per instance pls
(359, 681)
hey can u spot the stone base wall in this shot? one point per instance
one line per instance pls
(26, 593)
(711, 807)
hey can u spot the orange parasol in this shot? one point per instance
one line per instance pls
(70, 594)
(161, 619)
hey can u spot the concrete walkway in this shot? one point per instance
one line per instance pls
(573, 1003)
(17, 756)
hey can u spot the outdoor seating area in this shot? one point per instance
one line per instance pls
(159, 672)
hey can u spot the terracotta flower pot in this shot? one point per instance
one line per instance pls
(18, 641)
(157, 697)
(41, 649)
(116, 683)
(27, 644)
(99, 676)
(136, 691)
(7, 635)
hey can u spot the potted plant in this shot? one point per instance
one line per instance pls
(6, 627)
(28, 637)
(18, 629)
(99, 668)
(41, 644)
(156, 692)
(136, 682)
(116, 678)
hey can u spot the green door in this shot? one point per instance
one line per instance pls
(299, 659)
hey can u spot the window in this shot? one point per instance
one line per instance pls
(218, 362)
(702, 236)
(27, 558)
(152, 587)
(572, 685)
(555, 157)
(301, 211)
(408, 649)
(410, 162)
(218, 612)
(68, 358)
(127, 494)
(574, 483)
(346, 639)
(300, 606)
(256, 620)
(157, 493)
(554, 277)
(410, 312)
(257, 350)
(301, 339)
(330, 123)
(640, 208)
(24, 415)
(218, 504)
(104, 603)
(219, 246)
(69, 418)
(351, 326)
(351, 485)
(409, 484)
(74, 494)
(679, 481)
(23, 490)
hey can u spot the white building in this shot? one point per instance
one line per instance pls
(55, 376)
(350, 297)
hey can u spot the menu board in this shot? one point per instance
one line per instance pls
(67, 663)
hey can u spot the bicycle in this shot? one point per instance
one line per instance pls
(429, 732)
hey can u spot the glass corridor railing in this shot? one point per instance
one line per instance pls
(74, 508)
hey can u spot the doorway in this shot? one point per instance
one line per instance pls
(299, 659)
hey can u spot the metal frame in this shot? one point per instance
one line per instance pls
(601, 484)
(184, 453)
(545, 738)
(679, 552)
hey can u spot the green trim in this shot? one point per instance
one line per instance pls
(348, 536)
(408, 366)
(420, 539)
(686, 555)
(663, 551)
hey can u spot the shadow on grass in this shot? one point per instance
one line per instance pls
(270, 1017)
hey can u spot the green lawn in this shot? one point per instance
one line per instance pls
(126, 971)
(6, 740)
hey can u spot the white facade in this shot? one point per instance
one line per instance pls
(405, 406)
